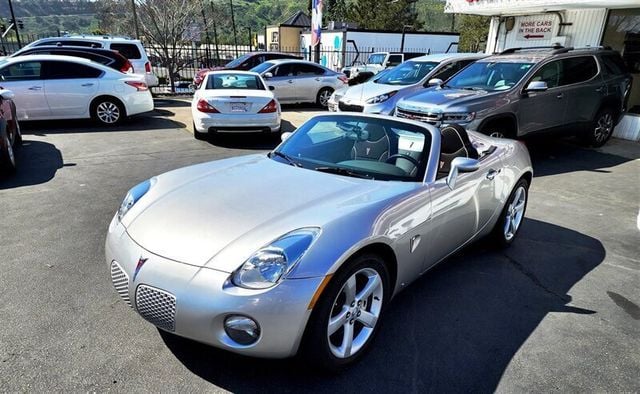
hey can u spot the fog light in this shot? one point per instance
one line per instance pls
(243, 330)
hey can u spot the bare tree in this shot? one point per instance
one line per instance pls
(168, 27)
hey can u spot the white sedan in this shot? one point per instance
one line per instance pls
(234, 101)
(66, 87)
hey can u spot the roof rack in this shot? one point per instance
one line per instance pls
(513, 50)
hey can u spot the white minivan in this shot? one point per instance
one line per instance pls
(129, 48)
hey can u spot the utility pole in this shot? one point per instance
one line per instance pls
(15, 24)
(135, 18)
(233, 22)
(215, 31)
(250, 39)
(206, 30)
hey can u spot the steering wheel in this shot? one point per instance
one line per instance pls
(402, 156)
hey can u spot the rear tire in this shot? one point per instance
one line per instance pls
(199, 136)
(322, 99)
(512, 215)
(601, 128)
(7, 157)
(356, 314)
(108, 111)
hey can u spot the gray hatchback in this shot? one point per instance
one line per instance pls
(525, 91)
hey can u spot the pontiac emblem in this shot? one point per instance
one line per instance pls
(141, 262)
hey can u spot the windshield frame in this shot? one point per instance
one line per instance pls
(484, 63)
(428, 157)
(398, 68)
(239, 60)
(264, 67)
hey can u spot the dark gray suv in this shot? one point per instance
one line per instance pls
(523, 91)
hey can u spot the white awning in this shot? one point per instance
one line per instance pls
(522, 7)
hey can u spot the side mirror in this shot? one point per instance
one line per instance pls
(7, 94)
(285, 135)
(458, 165)
(537, 86)
(435, 82)
(272, 88)
(268, 75)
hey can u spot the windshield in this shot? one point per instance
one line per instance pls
(407, 73)
(359, 146)
(234, 81)
(376, 58)
(489, 76)
(260, 68)
(238, 61)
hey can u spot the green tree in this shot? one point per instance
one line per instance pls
(335, 10)
(473, 31)
(384, 14)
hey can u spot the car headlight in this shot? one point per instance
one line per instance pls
(458, 117)
(134, 195)
(269, 264)
(381, 98)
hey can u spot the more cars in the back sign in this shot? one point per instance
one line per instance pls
(298, 81)
(10, 137)
(301, 249)
(525, 91)
(380, 94)
(234, 101)
(65, 87)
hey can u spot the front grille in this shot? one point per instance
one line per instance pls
(157, 306)
(349, 107)
(422, 117)
(120, 281)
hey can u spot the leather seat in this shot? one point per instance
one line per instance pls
(454, 143)
(375, 147)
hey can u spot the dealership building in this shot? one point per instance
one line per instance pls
(575, 23)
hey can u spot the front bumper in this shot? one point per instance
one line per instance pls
(379, 108)
(236, 122)
(193, 302)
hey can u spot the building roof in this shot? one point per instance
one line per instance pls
(298, 19)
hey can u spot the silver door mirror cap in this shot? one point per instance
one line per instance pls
(435, 82)
(537, 86)
(267, 75)
(7, 94)
(285, 135)
(459, 165)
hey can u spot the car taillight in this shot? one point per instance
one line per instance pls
(269, 108)
(204, 106)
(343, 78)
(140, 86)
(147, 67)
(127, 67)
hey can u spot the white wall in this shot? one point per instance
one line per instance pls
(435, 43)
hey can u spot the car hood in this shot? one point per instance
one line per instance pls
(193, 214)
(367, 90)
(444, 97)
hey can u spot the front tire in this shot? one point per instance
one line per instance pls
(108, 111)
(7, 158)
(347, 316)
(601, 128)
(322, 99)
(512, 215)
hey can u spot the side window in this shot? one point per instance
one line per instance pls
(284, 70)
(307, 70)
(257, 60)
(130, 51)
(24, 71)
(447, 71)
(69, 70)
(43, 43)
(578, 69)
(613, 64)
(549, 73)
(394, 60)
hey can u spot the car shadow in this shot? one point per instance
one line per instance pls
(552, 156)
(157, 120)
(455, 330)
(37, 162)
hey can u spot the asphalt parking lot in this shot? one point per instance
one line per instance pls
(559, 310)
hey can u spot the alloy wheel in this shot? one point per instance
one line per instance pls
(497, 134)
(604, 127)
(355, 313)
(515, 213)
(324, 98)
(108, 112)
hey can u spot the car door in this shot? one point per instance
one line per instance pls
(26, 81)
(283, 82)
(583, 88)
(69, 87)
(543, 110)
(308, 81)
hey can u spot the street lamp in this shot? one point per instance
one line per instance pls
(404, 29)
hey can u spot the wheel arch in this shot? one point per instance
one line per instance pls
(385, 252)
(612, 103)
(97, 99)
(504, 117)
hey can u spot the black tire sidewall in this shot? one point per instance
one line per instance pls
(315, 343)
(590, 134)
(5, 162)
(318, 101)
(498, 230)
(94, 111)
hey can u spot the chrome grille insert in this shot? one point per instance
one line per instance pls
(157, 306)
(422, 117)
(120, 281)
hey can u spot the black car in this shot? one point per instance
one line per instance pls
(107, 57)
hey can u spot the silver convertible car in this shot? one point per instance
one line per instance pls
(301, 249)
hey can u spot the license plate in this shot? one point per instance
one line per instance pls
(239, 107)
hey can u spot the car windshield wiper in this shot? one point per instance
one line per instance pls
(286, 157)
(343, 171)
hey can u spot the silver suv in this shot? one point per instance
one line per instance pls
(525, 91)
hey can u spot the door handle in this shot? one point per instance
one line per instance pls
(600, 89)
(560, 95)
(492, 174)
(318, 79)
(290, 81)
(87, 84)
(35, 88)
